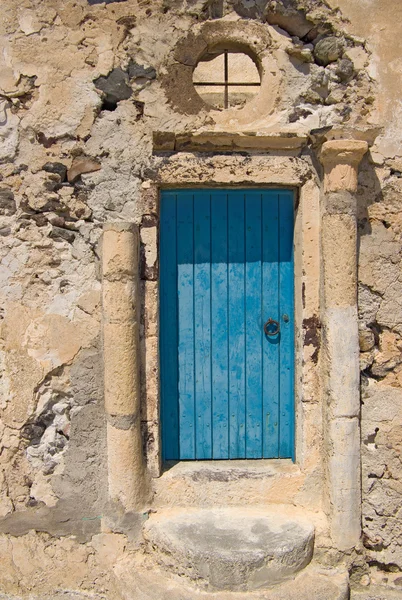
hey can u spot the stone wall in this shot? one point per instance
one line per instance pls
(381, 344)
(83, 87)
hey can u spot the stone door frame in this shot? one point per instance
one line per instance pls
(327, 401)
(264, 171)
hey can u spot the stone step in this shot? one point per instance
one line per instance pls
(232, 548)
(224, 483)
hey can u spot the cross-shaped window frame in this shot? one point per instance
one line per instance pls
(226, 83)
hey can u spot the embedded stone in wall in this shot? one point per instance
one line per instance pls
(289, 17)
(328, 50)
(81, 165)
(366, 340)
(382, 497)
(151, 317)
(7, 202)
(149, 248)
(56, 167)
(114, 86)
(140, 72)
(8, 131)
(150, 404)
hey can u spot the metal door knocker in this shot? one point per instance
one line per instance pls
(271, 327)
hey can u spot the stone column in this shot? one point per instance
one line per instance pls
(121, 315)
(341, 159)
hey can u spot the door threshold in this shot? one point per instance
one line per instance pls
(228, 483)
(229, 470)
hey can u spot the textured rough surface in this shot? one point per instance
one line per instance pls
(222, 483)
(312, 584)
(377, 593)
(84, 85)
(233, 548)
(382, 490)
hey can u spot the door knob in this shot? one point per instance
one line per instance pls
(271, 327)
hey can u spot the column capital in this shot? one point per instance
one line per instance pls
(341, 159)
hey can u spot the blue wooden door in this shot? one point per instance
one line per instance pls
(226, 287)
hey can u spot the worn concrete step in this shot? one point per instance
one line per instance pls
(233, 548)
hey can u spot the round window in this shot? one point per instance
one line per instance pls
(226, 79)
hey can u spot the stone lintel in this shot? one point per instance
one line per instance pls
(189, 169)
(341, 159)
(214, 141)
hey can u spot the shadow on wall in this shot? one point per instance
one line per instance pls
(369, 191)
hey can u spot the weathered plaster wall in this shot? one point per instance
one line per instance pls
(83, 85)
(380, 30)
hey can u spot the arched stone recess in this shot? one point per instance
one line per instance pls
(304, 85)
(251, 38)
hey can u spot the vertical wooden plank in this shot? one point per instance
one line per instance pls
(286, 301)
(185, 291)
(202, 324)
(210, 307)
(168, 328)
(254, 324)
(236, 325)
(270, 308)
(219, 323)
